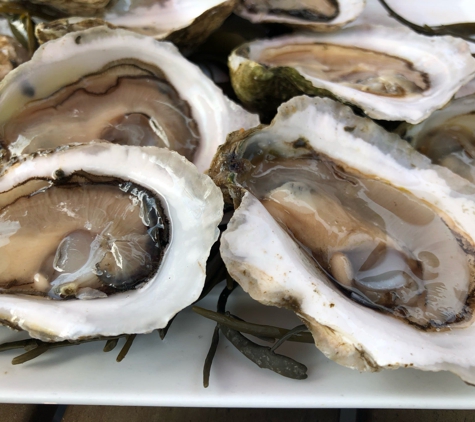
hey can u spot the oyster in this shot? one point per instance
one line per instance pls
(195, 19)
(369, 67)
(370, 244)
(319, 15)
(117, 86)
(75, 7)
(447, 137)
(184, 22)
(47, 31)
(106, 224)
(436, 18)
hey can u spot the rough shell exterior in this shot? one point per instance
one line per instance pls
(76, 7)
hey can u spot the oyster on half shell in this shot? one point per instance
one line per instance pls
(117, 86)
(316, 15)
(447, 137)
(184, 22)
(370, 244)
(369, 67)
(103, 227)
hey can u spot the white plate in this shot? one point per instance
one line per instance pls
(169, 373)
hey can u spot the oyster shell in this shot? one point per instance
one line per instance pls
(12, 54)
(184, 22)
(160, 19)
(370, 67)
(75, 7)
(447, 137)
(436, 18)
(467, 89)
(118, 86)
(108, 223)
(323, 15)
(407, 227)
(47, 31)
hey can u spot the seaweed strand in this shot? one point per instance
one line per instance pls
(210, 356)
(256, 330)
(264, 357)
(125, 349)
(298, 329)
(35, 348)
(110, 345)
(31, 354)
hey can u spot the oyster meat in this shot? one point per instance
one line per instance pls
(370, 244)
(117, 86)
(92, 239)
(370, 67)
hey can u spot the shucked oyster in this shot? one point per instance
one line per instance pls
(117, 86)
(371, 245)
(447, 137)
(317, 15)
(184, 22)
(370, 67)
(107, 223)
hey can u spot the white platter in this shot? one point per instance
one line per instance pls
(169, 373)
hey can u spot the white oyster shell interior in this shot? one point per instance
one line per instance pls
(434, 13)
(63, 62)
(444, 63)
(193, 205)
(164, 16)
(277, 272)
